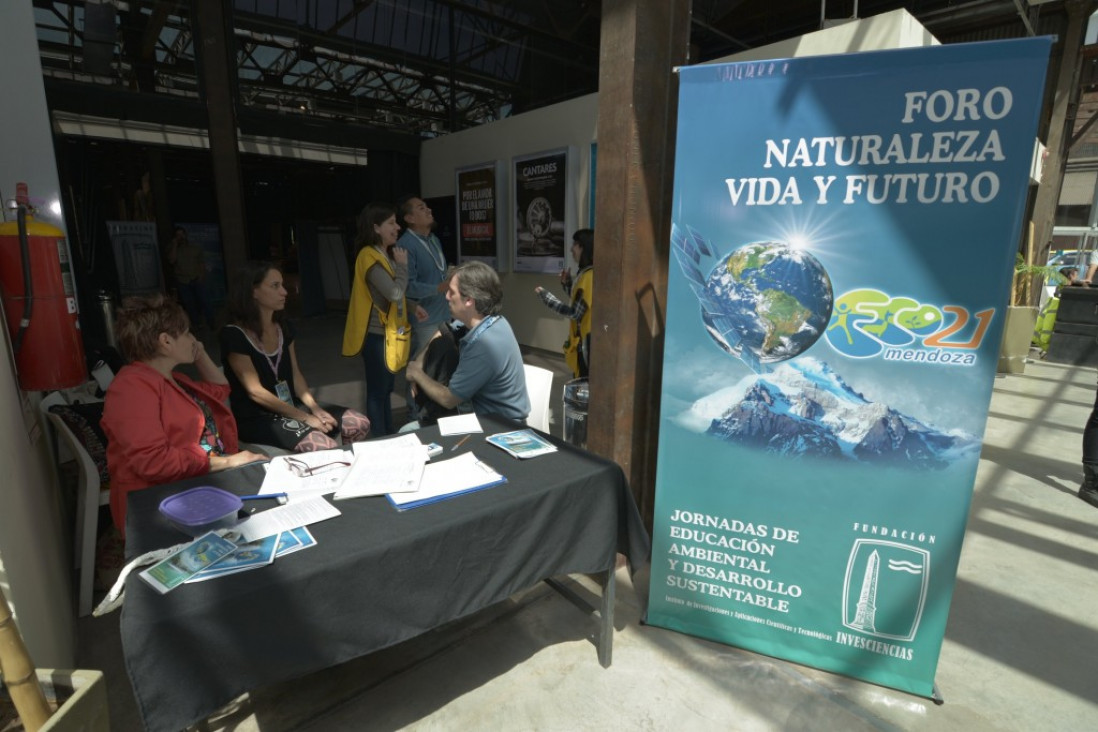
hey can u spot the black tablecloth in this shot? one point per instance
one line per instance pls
(377, 576)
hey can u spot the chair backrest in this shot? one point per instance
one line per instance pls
(539, 385)
(89, 471)
(59, 448)
(78, 426)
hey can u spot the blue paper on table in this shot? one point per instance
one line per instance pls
(295, 540)
(448, 478)
(172, 571)
(250, 555)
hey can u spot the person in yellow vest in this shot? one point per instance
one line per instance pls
(381, 276)
(577, 349)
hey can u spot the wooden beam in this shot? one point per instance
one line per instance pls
(642, 41)
(1064, 98)
(217, 60)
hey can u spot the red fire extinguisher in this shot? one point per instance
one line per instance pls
(39, 296)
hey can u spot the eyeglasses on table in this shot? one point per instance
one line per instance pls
(302, 469)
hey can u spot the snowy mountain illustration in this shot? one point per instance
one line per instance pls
(804, 407)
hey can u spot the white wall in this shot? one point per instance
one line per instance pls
(573, 124)
(568, 124)
(35, 560)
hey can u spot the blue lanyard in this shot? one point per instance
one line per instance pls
(433, 248)
(478, 331)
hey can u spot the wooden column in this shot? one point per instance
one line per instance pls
(1059, 130)
(642, 41)
(216, 57)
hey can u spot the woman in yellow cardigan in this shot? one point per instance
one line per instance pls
(577, 349)
(381, 276)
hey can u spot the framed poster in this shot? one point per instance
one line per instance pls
(137, 257)
(476, 215)
(208, 236)
(542, 213)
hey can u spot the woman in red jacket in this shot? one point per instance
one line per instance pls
(162, 426)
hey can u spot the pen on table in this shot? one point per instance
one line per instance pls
(280, 496)
(460, 443)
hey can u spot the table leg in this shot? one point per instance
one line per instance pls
(606, 624)
(604, 640)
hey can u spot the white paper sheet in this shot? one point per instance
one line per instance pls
(460, 424)
(286, 518)
(385, 466)
(280, 478)
(447, 477)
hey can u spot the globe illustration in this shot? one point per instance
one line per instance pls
(767, 302)
(539, 216)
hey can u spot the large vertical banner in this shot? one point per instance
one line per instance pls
(541, 201)
(476, 194)
(843, 235)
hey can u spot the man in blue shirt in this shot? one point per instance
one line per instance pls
(490, 378)
(426, 271)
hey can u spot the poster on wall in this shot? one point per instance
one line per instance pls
(136, 257)
(208, 236)
(476, 214)
(540, 196)
(839, 278)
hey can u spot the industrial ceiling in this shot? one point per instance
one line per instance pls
(412, 68)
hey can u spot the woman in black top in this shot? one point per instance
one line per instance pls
(270, 399)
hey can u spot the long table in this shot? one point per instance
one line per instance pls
(377, 576)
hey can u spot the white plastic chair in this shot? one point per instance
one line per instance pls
(90, 495)
(539, 385)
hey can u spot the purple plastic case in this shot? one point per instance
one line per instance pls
(201, 509)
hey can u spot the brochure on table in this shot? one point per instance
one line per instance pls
(172, 571)
(248, 555)
(522, 444)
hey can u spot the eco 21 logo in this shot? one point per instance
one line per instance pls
(866, 323)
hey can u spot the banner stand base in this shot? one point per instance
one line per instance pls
(936, 696)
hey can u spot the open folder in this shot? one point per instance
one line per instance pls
(447, 478)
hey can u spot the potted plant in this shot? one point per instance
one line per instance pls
(1022, 313)
(49, 700)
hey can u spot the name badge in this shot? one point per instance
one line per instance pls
(282, 391)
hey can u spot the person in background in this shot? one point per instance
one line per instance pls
(163, 426)
(270, 398)
(189, 266)
(1088, 491)
(1091, 260)
(378, 281)
(1071, 276)
(577, 349)
(426, 275)
(489, 378)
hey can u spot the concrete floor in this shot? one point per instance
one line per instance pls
(1019, 652)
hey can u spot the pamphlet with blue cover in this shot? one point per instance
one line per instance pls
(248, 555)
(203, 552)
(522, 443)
